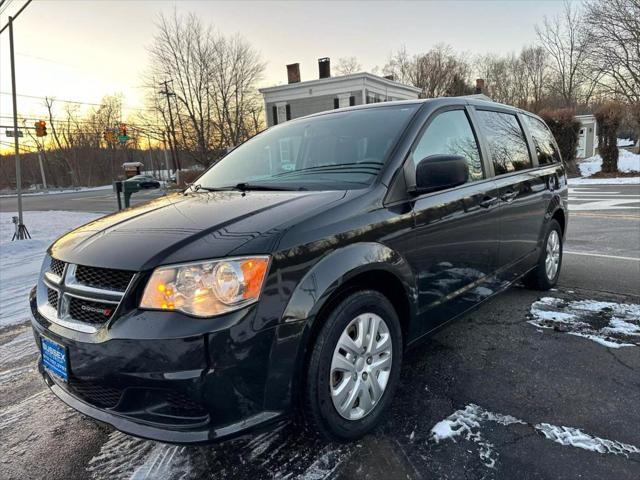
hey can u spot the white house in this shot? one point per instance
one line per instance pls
(297, 99)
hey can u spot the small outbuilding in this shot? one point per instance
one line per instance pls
(587, 138)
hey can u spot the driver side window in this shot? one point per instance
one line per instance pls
(450, 133)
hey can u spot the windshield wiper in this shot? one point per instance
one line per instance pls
(198, 187)
(333, 167)
(245, 186)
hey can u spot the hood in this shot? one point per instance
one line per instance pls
(186, 227)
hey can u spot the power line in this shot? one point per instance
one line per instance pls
(2, 10)
(78, 102)
(17, 14)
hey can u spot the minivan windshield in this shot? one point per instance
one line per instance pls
(339, 151)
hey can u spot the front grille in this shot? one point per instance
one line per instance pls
(104, 277)
(56, 267)
(88, 311)
(52, 298)
(96, 394)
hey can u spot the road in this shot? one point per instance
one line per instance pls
(510, 393)
(100, 201)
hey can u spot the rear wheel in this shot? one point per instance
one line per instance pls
(546, 273)
(354, 367)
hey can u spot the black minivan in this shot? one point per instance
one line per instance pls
(295, 272)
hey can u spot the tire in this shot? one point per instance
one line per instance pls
(327, 380)
(540, 278)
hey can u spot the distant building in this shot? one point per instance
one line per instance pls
(297, 99)
(587, 138)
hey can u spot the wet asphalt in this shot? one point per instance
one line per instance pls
(491, 358)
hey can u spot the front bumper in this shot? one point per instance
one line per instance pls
(163, 384)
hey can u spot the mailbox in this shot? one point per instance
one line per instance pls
(126, 188)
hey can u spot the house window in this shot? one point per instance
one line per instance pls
(283, 113)
(336, 103)
(352, 101)
(343, 100)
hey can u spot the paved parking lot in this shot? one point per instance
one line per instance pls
(529, 385)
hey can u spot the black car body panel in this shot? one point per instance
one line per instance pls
(174, 377)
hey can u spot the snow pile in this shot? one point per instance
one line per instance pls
(467, 424)
(613, 325)
(627, 162)
(20, 261)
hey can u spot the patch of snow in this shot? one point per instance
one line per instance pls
(625, 142)
(613, 325)
(575, 437)
(627, 162)
(20, 261)
(467, 423)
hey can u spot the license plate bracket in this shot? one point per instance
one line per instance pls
(55, 359)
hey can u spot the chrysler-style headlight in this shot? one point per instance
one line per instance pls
(206, 288)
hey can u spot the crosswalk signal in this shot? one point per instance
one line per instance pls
(41, 128)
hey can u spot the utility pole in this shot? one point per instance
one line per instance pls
(21, 231)
(44, 179)
(166, 156)
(169, 94)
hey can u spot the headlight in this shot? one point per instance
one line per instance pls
(206, 288)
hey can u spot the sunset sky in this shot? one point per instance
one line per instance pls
(82, 50)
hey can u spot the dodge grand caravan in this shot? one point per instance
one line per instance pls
(291, 277)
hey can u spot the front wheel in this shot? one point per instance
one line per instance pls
(354, 367)
(545, 275)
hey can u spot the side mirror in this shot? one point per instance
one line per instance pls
(437, 172)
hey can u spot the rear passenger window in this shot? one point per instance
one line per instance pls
(450, 133)
(506, 140)
(543, 141)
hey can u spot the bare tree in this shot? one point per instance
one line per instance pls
(615, 29)
(435, 71)
(568, 43)
(214, 80)
(348, 65)
(535, 64)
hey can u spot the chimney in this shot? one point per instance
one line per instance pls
(479, 85)
(293, 73)
(324, 66)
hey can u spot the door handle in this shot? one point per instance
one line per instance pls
(488, 201)
(509, 196)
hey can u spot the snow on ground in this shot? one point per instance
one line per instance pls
(627, 162)
(468, 423)
(55, 191)
(20, 261)
(625, 142)
(614, 325)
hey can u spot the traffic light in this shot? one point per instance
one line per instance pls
(109, 136)
(41, 128)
